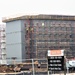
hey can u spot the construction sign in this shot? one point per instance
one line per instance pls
(55, 52)
(55, 60)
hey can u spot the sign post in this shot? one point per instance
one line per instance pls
(55, 60)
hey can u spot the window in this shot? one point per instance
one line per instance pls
(68, 28)
(51, 28)
(63, 28)
(57, 28)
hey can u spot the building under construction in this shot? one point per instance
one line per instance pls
(2, 44)
(31, 36)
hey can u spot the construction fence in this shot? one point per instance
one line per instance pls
(28, 67)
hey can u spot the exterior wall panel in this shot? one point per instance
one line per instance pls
(13, 26)
(14, 51)
(13, 40)
(23, 40)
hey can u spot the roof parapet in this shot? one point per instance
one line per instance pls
(55, 17)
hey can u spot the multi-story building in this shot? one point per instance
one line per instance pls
(32, 36)
(2, 44)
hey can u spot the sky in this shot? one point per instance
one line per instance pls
(57, 7)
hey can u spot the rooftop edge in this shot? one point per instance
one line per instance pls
(55, 17)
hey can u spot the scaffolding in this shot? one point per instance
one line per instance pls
(49, 35)
(29, 40)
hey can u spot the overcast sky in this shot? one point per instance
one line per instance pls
(61, 7)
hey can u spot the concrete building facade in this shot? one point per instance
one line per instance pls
(32, 36)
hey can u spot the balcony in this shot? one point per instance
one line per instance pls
(3, 28)
(3, 61)
(2, 33)
(3, 53)
(3, 46)
(3, 40)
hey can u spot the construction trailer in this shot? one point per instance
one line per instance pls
(31, 36)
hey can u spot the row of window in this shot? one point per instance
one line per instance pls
(55, 28)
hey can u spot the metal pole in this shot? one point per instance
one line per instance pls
(67, 70)
(65, 65)
(48, 72)
(47, 68)
(23, 72)
(15, 72)
(33, 66)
